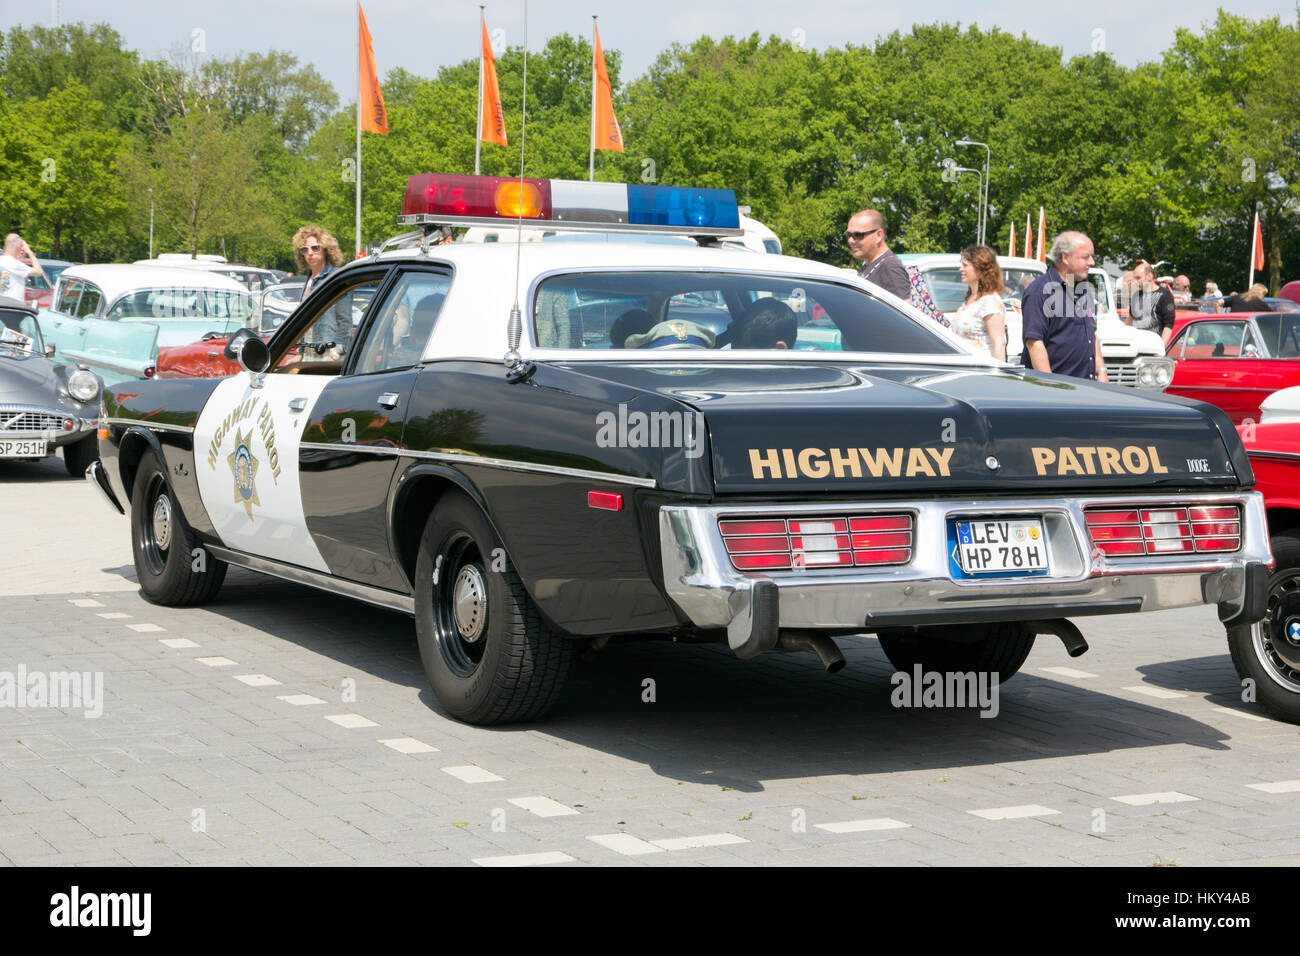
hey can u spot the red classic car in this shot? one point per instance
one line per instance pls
(1235, 360)
(1269, 652)
(205, 358)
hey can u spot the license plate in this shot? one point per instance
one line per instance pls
(23, 447)
(1005, 547)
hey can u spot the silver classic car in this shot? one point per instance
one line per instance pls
(44, 405)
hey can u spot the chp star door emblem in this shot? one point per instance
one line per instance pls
(243, 466)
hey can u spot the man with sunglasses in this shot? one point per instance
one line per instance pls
(866, 236)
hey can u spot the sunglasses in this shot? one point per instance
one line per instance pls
(303, 250)
(859, 236)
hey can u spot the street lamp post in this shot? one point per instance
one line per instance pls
(979, 219)
(151, 223)
(984, 205)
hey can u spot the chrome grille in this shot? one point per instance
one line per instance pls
(28, 418)
(1122, 373)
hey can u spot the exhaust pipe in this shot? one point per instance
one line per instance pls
(1075, 645)
(821, 645)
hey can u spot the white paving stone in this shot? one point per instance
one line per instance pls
(300, 700)
(858, 826)
(1280, 786)
(146, 628)
(409, 745)
(351, 721)
(472, 774)
(1015, 813)
(216, 661)
(1244, 714)
(84, 602)
(1146, 799)
(1158, 692)
(1068, 672)
(177, 642)
(625, 843)
(694, 842)
(526, 859)
(112, 615)
(257, 680)
(543, 806)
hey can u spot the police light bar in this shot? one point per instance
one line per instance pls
(433, 199)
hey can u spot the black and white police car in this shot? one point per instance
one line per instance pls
(696, 442)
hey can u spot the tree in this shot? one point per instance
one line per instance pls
(36, 61)
(295, 99)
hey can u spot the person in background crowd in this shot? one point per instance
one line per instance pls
(1152, 305)
(1212, 290)
(982, 318)
(866, 236)
(1250, 301)
(1060, 313)
(1124, 289)
(1182, 290)
(13, 270)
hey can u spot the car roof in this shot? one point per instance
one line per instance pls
(474, 316)
(8, 303)
(203, 264)
(115, 279)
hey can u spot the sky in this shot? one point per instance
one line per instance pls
(423, 36)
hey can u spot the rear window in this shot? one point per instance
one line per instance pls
(712, 311)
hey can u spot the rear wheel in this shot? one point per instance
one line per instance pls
(488, 654)
(993, 648)
(172, 566)
(78, 456)
(1268, 652)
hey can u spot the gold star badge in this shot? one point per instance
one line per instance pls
(243, 466)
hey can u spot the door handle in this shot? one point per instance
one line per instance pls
(388, 399)
(297, 404)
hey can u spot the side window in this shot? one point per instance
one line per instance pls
(68, 297)
(90, 299)
(323, 346)
(397, 337)
(1214, 340)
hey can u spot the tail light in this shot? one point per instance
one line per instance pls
(1145, 531)
(810, 543)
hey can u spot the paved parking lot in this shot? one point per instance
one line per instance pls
(284, 725)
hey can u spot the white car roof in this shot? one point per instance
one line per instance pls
(117, 279)
(474, 317)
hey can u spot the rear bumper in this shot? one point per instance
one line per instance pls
(97, 475)
(700, 579)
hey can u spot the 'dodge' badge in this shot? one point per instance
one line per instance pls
(244, 468)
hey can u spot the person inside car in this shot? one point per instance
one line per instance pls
(768, 324)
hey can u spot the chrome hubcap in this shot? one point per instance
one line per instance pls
(162, 522)
(1277, 637)
(470, 603)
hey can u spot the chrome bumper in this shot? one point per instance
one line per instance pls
(700, 579)
(98, 477)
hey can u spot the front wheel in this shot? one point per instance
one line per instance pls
(959, 648)
(1268, 652)
(488, 654)
(173, 568)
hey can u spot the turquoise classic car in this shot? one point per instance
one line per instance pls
(113, 318)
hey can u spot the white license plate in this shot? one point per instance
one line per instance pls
(1001, 546)
(23, 447)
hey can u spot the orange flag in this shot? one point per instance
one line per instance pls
(1257, 262)
(1042, 235)
(606, 134)
(1029, 235)
(1011, 248)
(493, 124)
(374, 118)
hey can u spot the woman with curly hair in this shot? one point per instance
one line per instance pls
(982, 318)
(317, 253)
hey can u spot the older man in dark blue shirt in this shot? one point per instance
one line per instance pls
(1060, 314)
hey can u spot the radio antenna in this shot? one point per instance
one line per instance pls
(518, 370)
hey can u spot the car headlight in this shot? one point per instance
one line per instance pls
(83, 386)
(1154, 372)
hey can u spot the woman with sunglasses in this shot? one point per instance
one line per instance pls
(317, 253)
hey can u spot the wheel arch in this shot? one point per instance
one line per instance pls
(1283, 518)
(418, 491)
(135, 442)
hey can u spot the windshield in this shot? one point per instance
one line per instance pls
(949, 292)
(19, 332)
(184, 304)
(700, 310)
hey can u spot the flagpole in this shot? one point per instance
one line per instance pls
(1253, 233)
(478, 129)
(591, 161)
(357, 251)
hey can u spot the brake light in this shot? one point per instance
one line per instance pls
(810, 543)
(1136, 531)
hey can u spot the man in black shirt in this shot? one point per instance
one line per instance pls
(1152, 305)
(866, 236)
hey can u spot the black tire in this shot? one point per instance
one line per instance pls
(164, 546)
(78, 456)
(993, 648)
(488, 654)
(1263, 652)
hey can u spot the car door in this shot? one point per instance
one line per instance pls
(352, 438)
(60, 326)
(1210, 367)
(247, 440)
(1279, 364)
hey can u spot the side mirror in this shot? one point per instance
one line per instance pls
(248, 350)
(51, 351)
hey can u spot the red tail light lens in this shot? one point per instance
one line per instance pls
(1134, 532)
(809, 543)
